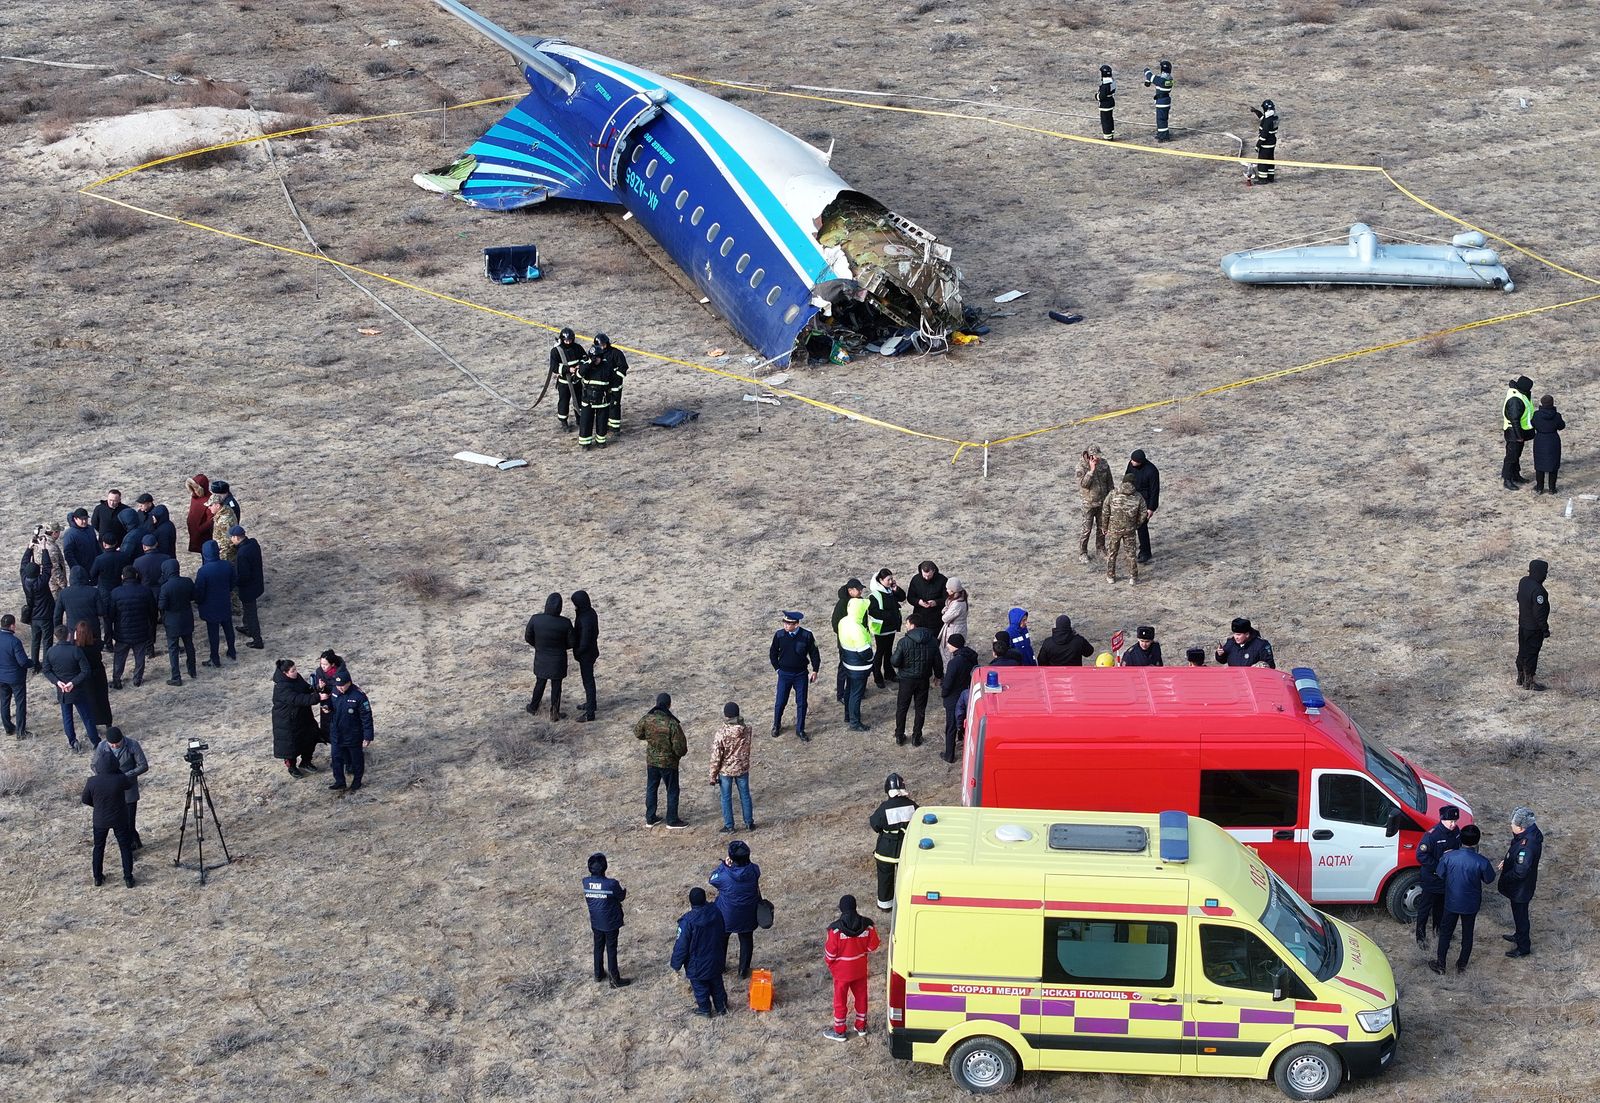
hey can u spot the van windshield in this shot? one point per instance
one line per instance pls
(1300, 928)
(1392, 773)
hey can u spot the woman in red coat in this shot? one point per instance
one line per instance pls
(199, 515)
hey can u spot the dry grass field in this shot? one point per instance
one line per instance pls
(424, 939)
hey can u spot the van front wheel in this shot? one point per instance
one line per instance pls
(1401, 895)
(984, 1065)
(1308, 1071)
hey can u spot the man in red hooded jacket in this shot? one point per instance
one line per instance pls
(851, 938)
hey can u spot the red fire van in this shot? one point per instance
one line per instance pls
(1259, 752)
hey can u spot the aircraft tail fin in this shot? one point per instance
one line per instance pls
(518, 162)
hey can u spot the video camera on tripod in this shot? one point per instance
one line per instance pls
(197, 801)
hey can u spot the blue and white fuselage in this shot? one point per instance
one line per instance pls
(739, 204)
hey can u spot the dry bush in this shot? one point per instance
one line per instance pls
(1384, 510)
(428, 584)
(185, 65)
(419, 214)
(1522, 748)
(215, 93)
(534, 989)
(54, 130)
(371, 247)
(947, 42)
(152, 33)
(331, 208)
(190, 159)
(1398, 20)
(1438, 347)
(1186, 423)
(95, 416)
(1413, 466)
(1080, 17)
(18, 775)
(1320, 14)
(108, 223)
(514, 750)
(344, 101)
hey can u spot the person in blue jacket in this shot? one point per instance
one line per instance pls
(213, 590)
(166, 532)
(1021, 641)
(1440, 839)
(79, 542)
(702, 953)
(349, 731)
(738, 884)
(604, 896)
(1519, 876)
(1464, 872)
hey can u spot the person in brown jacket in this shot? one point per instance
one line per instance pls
(1094, 484)
(730, 766)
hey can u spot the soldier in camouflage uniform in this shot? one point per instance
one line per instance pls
(1094, 483)
(665, 746)
(224, 518)
(1123, 513)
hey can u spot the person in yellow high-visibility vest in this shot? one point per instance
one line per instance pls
(1516, 422)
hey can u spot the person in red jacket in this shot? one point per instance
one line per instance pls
(199, 515)
(851, 938)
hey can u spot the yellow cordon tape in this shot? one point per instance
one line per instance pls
(92, 190)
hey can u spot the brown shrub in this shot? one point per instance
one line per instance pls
(427, 584)
(1185, 423)
(193, 161)
(371, 247)
(1320, 14)
(18, 775)
(1438, 347)
(185, 65)
(1398, 20)
(108, 223)
(215, 93)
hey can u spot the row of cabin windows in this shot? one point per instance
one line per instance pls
(711, 235)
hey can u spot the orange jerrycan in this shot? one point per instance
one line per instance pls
(761, 990)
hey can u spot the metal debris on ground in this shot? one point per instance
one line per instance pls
(767, 398)
(675, 417)
(490, 461)
(776, 380)
(1009, 296)
(1064, 318)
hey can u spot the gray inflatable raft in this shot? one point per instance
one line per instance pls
(1465, 262)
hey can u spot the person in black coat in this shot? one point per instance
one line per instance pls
(884, 598)
(701, 951)
(148, 563)
(953, 691)
(585, 649)
(926, 596)
(106, 792)
(1533, 623)
(1003, 654)
(1065, 647)
(550, 635)
(39, 605)
(917, 660)
(1147, 481)
(251, 575)
(294, 725)
(1519, 876)
(78, 600)
(604, 896)
(107, 519)
(79, 542)
(175, 600)
(1145, 650)
(106, 574)
(67, 668)
(99, 685)
(1547, 426)
(133, 625)
(166, 532)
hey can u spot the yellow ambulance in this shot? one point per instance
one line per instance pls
(1133, 943)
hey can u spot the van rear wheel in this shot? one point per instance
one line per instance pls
(983, 1065)
(1401, 895)
(1308, 1071)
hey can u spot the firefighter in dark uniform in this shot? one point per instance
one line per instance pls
(1441, 838)
(1106, 93)
(1161, 81)
(890, 821)
(566, 356)
(594, 400)
(618, 366)
(1145, 651)
(1533, 622)
(1266, 141)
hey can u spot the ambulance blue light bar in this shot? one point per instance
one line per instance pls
(1310, 690)
(1174, 837)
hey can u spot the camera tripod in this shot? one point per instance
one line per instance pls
(197, 790)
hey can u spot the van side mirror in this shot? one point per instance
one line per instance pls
(1277, 984)
(1393, 827)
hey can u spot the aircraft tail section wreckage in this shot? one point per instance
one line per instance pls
(777, 241)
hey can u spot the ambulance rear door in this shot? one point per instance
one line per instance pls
(1112, 993)
(1350, 851)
